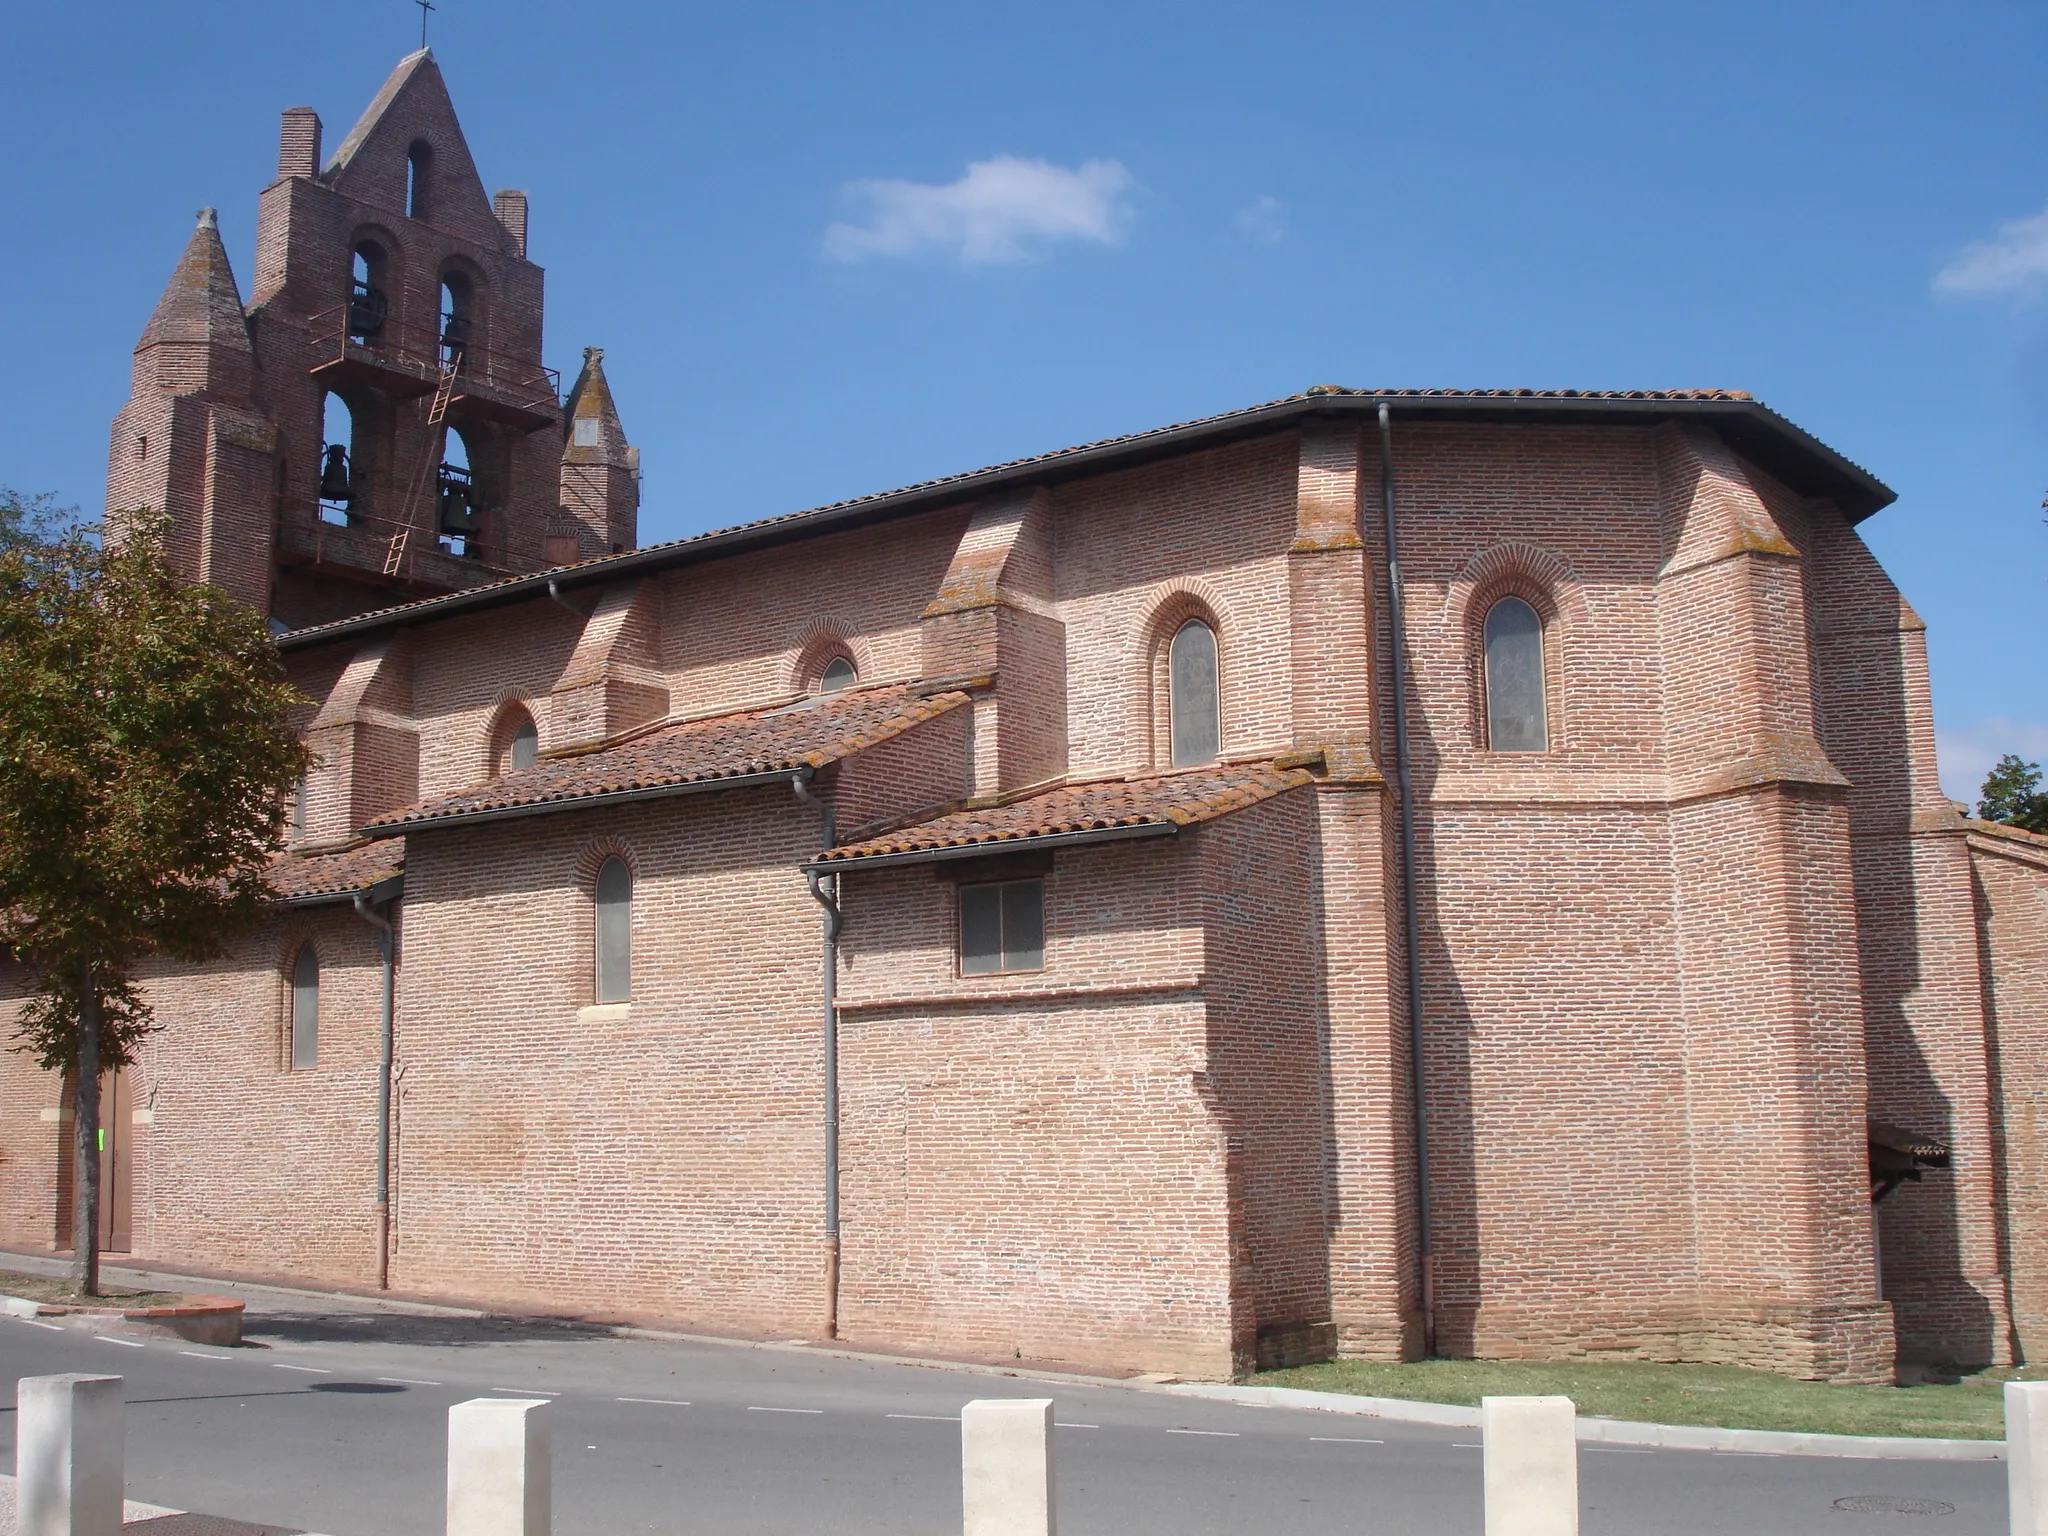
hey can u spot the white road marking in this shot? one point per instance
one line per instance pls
(105, 1338)
(53, 1327)
(408, 1381)
(929, 1418)
(1466, 1445)
(1058, 1425)
(200, 1354)
(310, 1370)
(1227, 1434)
(1623, 1450)
(752, 1409)
(659, 1402)
(1340, 1440)
(523, 1391)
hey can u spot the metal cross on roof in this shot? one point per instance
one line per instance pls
(425, 6)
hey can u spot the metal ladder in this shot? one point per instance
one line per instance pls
(437, 412)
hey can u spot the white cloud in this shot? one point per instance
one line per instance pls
(2015, 262)
(1969, 753)
(1005, 209)
(1262, 219)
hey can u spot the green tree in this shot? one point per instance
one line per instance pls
(2012, 794)
(32, 520)
(145, 763)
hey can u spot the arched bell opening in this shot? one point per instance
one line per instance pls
(458, 318)
(459, 500)
(369, 294)
(341, 498)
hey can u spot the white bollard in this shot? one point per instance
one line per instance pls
(67, 1456)
(1532, 1465)
(2026, 1456)
(1006, 1481)
(498, 1468)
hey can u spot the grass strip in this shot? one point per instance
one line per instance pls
(1722, 1396)
(58, 1293)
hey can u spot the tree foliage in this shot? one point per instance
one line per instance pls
(2012, 794)
(29, 521)
(145, 762)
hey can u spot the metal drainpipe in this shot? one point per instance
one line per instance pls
(800, 781)
(1410, 924)
(384, 946)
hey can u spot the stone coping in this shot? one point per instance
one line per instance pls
(1675, 1437)
(201, 1319)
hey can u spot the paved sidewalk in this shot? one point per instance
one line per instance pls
(153, 1520)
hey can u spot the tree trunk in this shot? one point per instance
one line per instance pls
(85, 1156)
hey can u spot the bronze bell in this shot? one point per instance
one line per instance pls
(367, 309)
(335, 484)
(458, 504)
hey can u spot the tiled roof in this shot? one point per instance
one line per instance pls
(1166, 801)
(313, 876)
(1274, 413)
(700, 752)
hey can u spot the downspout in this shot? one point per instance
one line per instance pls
(385, 949)
(800, 781)
(1410, 924)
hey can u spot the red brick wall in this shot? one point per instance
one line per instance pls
(1654, 955)
(1031, 1163)
(2010, 870)
(245, 1165)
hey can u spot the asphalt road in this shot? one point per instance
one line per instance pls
(333, 1418)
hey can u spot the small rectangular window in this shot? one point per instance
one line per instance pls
(588, 432)
(1002, 927)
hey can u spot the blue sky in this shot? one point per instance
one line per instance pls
(831, 250)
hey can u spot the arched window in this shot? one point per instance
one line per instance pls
(419, 179)
(1193, 700)
(524, 749)
(839, 673)
(1515, 716)
(614, 931)
(306, 1009)
(338, 459)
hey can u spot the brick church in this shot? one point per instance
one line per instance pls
(1364, 874)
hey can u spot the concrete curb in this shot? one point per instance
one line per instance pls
(1676, 1437)
(133, 1511)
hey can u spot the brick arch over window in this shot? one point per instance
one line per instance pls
(512, 713)
(814, 647)
(1152, 704)
(593, 857)
(1546, 582)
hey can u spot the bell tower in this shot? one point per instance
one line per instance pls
(378, 424)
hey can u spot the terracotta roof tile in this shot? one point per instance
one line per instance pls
(811, 734)
(1162, 800)
(311, 876)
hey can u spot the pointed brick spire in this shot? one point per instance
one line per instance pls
(600, 469)
(590, 399)
(198, 338)
(201, 303)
